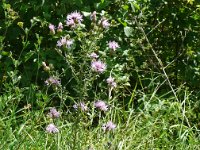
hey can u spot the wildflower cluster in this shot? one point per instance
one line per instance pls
(52, 28)
(97, 65)
(51, 128)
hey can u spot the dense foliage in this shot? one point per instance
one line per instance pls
(101, 74)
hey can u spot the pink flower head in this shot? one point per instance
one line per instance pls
(52, 81)
(69, 43)
(98, 66)
(93, 16)
(65, 42)
(60, 27)
(74, 18)
(93, 55)
(52, 28)
(101, 105)
(113, 45)
(80, 105)
(51, 128)
(83, 106)
(109, 126)
(61, 42)
(104, 23)
(54, 113)
(111, 82)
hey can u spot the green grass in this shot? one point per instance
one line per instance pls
(158, 123)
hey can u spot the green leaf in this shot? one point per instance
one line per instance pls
(28, 55)
(128, 31)
(125, 7)
(86, 14)
(122, 22)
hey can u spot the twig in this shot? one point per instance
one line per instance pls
(158, 59)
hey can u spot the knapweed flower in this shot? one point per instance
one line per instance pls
(93, 16)
(52, 81)
(52, 28)
(69, 43)
(73, 19)
(61, 42)
(104, 23)
(113, 45)
(98, 66)
(51, 128)
(60, 27)
(93, 55)
(54, 113)
(65, 42)
(111, 82)
(82, 106)
(109, 126)
(101, 105)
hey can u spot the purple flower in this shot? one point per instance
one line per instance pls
(93, 55)
(98, 66)
(60, 27)
(74, 18)
(69, 43)
(80, 105)
(51, 128)
(54, 113)
(93, 16)
(52, 28)
(52, 81)
(111, 82)
(104, 23)
(113, 45)
(109, 126)
(61, 42)
(83, 106)
(65, 42)
(101, 105)
(75, 106)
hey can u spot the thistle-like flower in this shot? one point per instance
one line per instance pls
(93, 55)
(65, 42)
(111, 82)
(104, 23)
(51, 128)
(113, 45)
(60, 27)
(93, 16)
(52, 28)
(101, 105)
(98, 66)
(109, 126)
(52, 81)
(82, 106)
(73, 19)
(54, 113)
